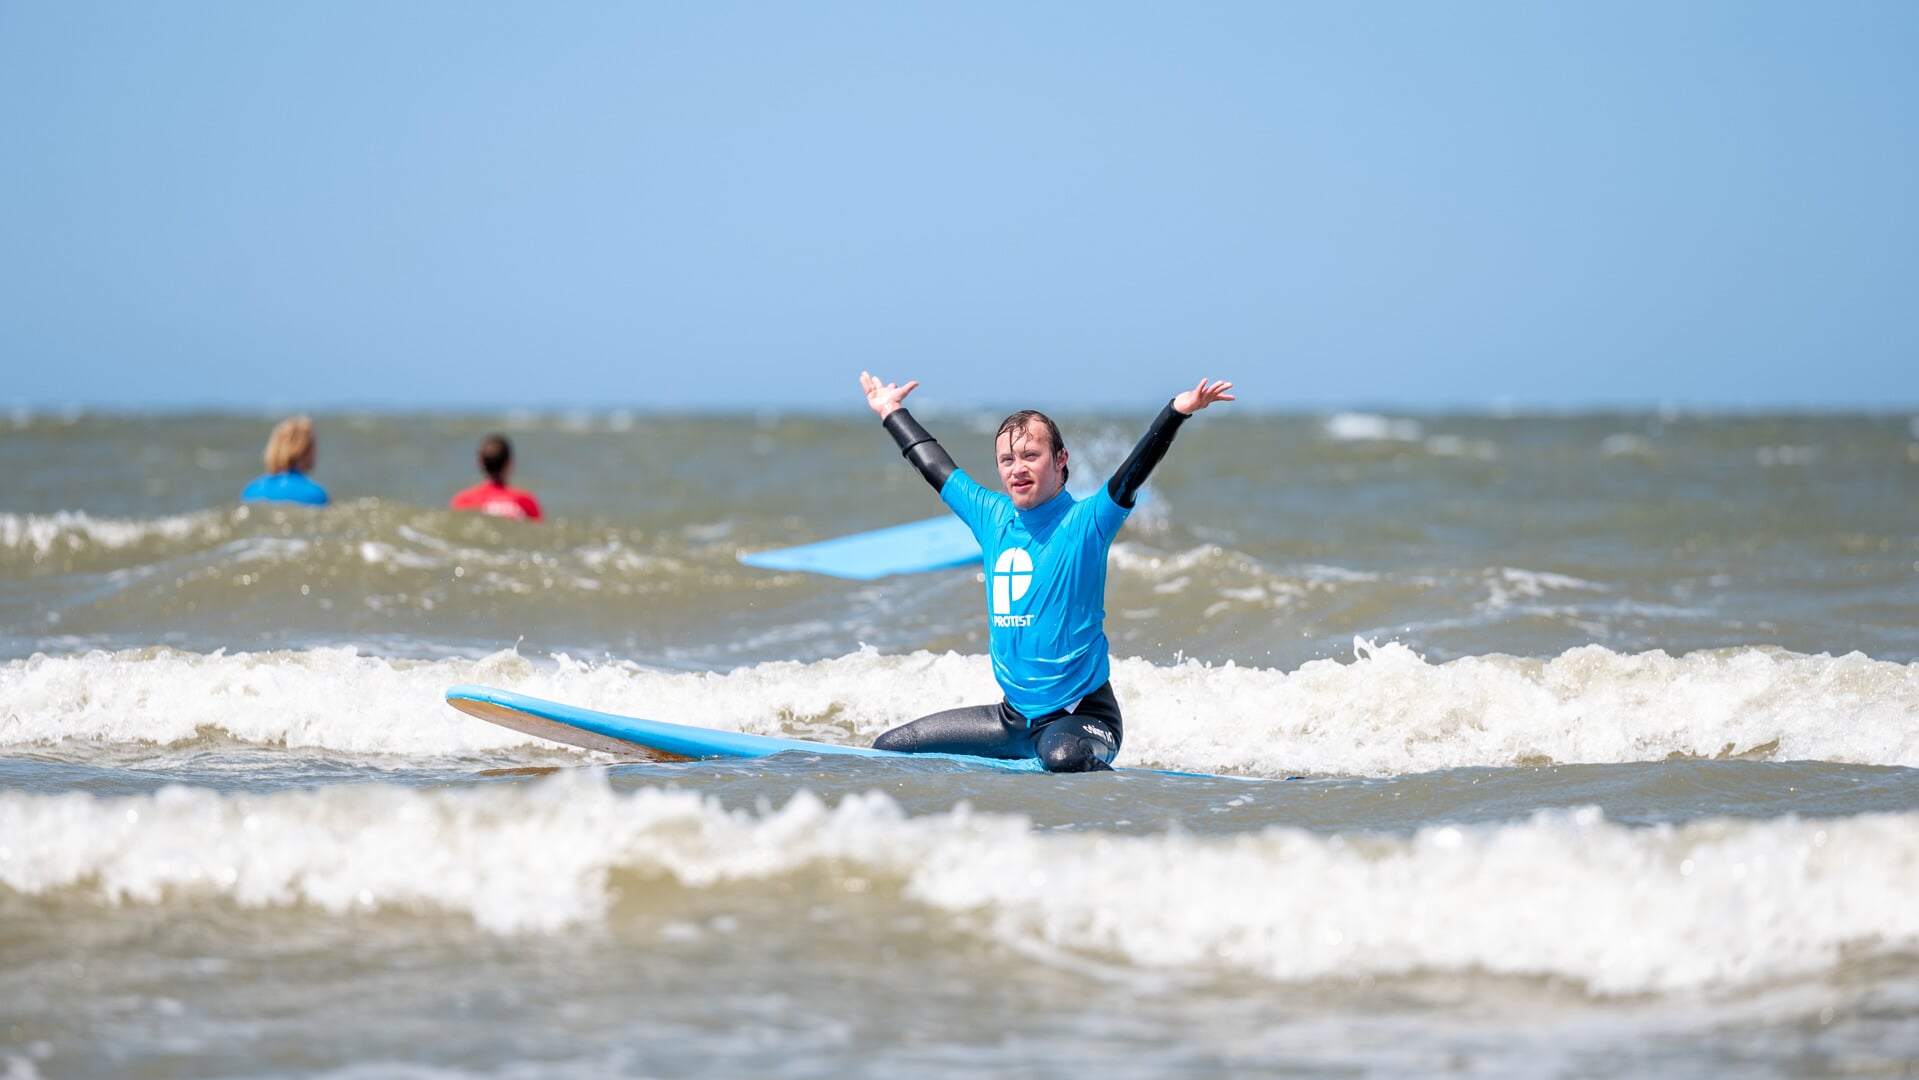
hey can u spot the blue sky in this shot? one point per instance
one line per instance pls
(1409, 206)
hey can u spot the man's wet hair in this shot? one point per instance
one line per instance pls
(495, 455)
(1015, 425)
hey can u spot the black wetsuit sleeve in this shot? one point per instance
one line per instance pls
(1125, 484)
(918, 446)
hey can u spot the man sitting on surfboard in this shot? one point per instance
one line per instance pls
(1045, 559)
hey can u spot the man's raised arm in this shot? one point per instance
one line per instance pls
(916, 443)
(1131, 474)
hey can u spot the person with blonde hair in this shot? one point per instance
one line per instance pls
(290, 454)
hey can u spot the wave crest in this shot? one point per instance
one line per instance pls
(1389, 712)
(1619, 910)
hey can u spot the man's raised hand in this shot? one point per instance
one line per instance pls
(1199, 396)
(885, 397)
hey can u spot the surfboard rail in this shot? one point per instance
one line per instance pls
(616, 734)
(659, 741)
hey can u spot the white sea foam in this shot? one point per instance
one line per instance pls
(1626, 444)
(377, 553)
(1786, 456)
(226, 537)
(1369, 427)
(1392, 712)
(1570, 895)
(1388, 712)
(75, 531)
(1253, 581)
(1620, 910)
(1511, 583)
(1128, 558)
(1460, 446)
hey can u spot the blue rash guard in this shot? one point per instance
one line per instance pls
(290, 486)
(1045, 590)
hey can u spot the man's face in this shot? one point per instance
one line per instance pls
(1028, 467)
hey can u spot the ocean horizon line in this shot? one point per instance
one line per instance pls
(24, 412)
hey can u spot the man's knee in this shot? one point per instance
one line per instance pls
(1086, 747)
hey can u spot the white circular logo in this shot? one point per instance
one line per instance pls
(1012, 576)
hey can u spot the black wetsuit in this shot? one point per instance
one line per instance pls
(1084, 740)
(1075, 725)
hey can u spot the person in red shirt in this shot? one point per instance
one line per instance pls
(495, 497)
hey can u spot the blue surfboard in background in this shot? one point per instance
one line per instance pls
(913, 548)
(916, 547)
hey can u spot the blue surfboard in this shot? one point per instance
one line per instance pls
(916, 547)
(657, 740)
(913, 548)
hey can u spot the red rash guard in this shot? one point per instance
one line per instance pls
(499, 501)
